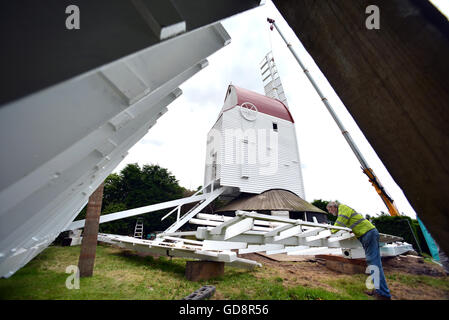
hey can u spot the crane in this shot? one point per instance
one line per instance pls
(388, 201)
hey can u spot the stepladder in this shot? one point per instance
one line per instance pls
(138, 229)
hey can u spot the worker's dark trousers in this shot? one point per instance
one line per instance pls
(370, 242)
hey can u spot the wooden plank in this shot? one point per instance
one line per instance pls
(282, 257)
(294, 230)
(214, 217)
(310, 232)
(238, 228)
(277, 230)
(308, 250)
(286, 249)
(259, 216)
(90, 236)
(260, 248)
(203, 270)
(295, 248)
(342, 237)
(203, 222)
(184, 240)
(321, 235)
(222, 245)
(275, 251)
(220, 227)
(266, 229)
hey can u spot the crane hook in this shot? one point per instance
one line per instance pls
(270, 21)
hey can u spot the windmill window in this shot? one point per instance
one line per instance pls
(275, 127)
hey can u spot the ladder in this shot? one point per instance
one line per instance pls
(138, 229)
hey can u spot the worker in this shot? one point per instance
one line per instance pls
(368, 235)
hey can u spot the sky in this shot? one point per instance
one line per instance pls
(442, 5)
(329, 167)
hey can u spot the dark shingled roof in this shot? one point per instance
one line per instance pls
(276, 199)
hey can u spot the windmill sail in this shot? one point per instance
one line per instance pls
(273, 89)
(271, 80)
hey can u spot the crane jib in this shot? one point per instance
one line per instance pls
(388, 201)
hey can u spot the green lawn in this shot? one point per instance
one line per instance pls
(122, 274)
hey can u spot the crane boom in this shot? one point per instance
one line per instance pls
(388, 201)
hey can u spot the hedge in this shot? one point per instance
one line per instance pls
(399, 226)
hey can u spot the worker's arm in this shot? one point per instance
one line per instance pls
(340, 222)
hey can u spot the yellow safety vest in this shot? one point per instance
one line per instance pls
(347, 217)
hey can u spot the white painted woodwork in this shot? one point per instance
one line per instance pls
(70, 136)
(282, 173)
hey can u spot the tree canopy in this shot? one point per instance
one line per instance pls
(322, 204)
(135, 187)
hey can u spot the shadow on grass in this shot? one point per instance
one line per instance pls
(175, 266)
(230, 276)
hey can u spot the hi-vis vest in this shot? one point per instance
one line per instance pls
(348, 218)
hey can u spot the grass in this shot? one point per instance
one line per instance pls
(245, 286)
(353, 286)
(416, 281)
(124, 275)
(120, 274)
(117, 275)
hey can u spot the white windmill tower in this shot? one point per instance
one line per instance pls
(252, 146)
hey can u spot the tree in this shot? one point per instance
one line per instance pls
(136, 187)
(322, 204)
(112, 190)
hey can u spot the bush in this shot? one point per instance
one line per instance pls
(400, 226)
(322, 204)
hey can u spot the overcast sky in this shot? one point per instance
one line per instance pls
(330, 169)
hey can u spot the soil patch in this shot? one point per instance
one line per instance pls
(312, 273)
